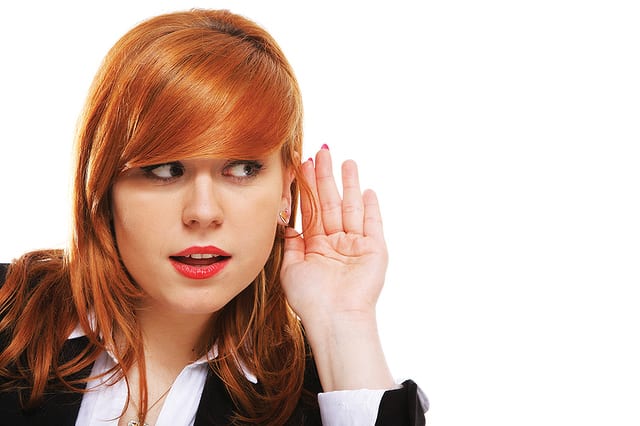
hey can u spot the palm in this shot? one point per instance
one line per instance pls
(338, 266)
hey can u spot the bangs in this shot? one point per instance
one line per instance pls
(202, 93)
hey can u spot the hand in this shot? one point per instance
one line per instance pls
(333, 274)
(337, 268)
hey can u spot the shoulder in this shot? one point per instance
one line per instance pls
(4, 267)
(28, 270)
(58, 405)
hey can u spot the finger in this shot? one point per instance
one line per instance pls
(328, 195)
(311, 222)
(372, 216)
(352, 204)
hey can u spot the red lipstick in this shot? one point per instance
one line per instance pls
(199, 263)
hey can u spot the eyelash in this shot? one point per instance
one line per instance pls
(149, 171)
(255, 167)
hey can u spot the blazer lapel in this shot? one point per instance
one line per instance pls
(216, 406)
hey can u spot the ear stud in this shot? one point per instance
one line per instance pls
(284, 216)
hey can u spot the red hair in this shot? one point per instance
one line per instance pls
(181, 85)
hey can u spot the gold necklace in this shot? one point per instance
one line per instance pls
(137, 422)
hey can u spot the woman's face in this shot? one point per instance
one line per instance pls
(195, 233)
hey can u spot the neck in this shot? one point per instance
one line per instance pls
(172, 339)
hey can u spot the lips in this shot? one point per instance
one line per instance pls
(200, 262)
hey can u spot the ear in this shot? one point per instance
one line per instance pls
(287, 179)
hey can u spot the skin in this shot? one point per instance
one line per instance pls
(206, 202)
(332, 276)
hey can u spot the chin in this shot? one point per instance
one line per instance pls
(196, 308)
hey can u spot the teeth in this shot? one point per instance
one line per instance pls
(202, 256)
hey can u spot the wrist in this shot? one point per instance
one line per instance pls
(348, 352)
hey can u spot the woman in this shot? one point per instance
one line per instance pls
(185, 297)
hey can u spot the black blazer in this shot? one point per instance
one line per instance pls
(60, 407)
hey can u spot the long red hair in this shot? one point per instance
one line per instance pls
(181, 85)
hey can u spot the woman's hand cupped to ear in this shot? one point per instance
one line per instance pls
(337, 266)
(333, 274)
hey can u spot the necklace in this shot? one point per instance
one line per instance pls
(137, 422)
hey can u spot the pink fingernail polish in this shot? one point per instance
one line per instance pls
(311, 160)
(325, 146)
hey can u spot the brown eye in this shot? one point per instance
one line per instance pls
(242, 169)
(164, 171)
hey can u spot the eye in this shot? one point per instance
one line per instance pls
(165, 171)
(242, 169)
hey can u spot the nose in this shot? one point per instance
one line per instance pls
(202, 207)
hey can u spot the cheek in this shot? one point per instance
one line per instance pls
(256, 226)
(124, 224)
(136, 222)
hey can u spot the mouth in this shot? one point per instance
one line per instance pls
(200, 262)
(199, 259)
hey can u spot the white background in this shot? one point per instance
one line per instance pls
(502, 138)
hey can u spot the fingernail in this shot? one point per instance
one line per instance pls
(325, 146)
(310, 160)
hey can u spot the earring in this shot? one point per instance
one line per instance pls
(284, 216)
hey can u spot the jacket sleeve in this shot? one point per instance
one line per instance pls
(404, 406)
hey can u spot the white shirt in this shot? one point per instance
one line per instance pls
(104, 402)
